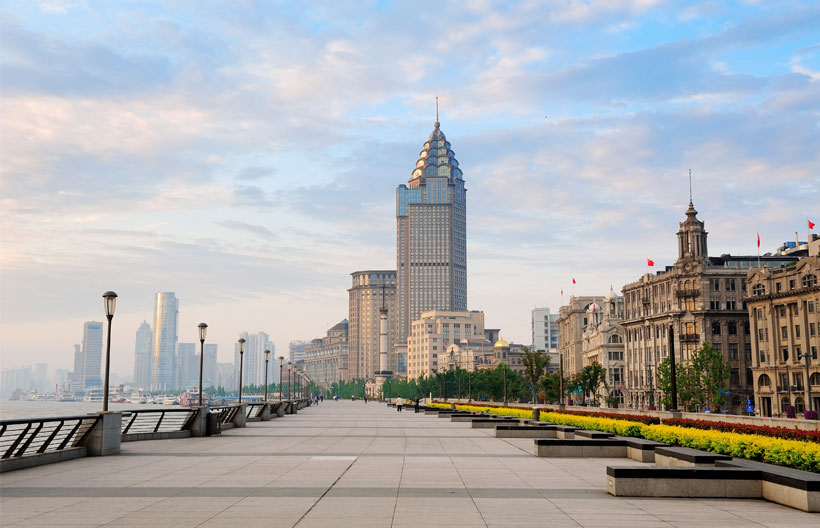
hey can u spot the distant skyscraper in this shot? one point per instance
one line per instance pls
(431, 236)
(41, 378)
(166, 315)
(142, 356)
(209, 373)
(544, 329)
(77, 374)
(296, 351)
(92, 354)
(226, 376)
(187, 365)
(254, 362)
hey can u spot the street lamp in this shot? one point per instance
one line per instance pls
(672, 372)
(267, 359)
(290, 376)
(281, 360)
(110, 303)
(241, 358)
(203, 329)
(651, 387)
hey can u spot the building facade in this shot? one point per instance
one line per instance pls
(572, 321)
(142, 356)
(545, 334)
(76, 382)
(296, 352)
(324, 356)
(371, 290)
(163, 358)
(784, 312)
(701, 297)
(92, 354)
(209, 368)
(254, 360)
(603, 343)
(431, 237)
(187, 362)
(434, 332)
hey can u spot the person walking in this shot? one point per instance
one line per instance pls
(399, 403)
(416, 404)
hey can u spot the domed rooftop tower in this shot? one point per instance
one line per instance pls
(431, 235)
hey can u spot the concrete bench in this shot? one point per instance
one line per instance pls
(593, 434)
(640, 449)
(525, 431)
(466, 417)
(654, 481)
(787, 486)
(575, 448)
(489, 423)
(686, 457)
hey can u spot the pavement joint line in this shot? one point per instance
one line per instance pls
(323, 494)
(398, 490)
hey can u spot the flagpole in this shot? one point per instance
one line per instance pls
(758, 250)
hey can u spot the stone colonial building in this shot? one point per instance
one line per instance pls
(484, 354)
(603, 343)
(434, 332)
(325, 356)
(702, 298)
(784, 311)
(572, 321)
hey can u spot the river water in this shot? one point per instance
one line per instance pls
(10, 410)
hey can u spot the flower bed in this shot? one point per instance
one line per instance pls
(762, 430)
(783, 452)
(615, 416)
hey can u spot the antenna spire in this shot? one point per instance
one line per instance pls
(436, 110)
(690, 186)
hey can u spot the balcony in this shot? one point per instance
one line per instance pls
(693, 292)
(690, 338)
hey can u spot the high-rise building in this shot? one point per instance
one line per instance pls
(226, 376)
(166, 316)
(545, 334)
(702, 298)
(142, 356)
(92, 354)
(784, 312)
(371, 291)
(76, 380)
(296, 352)
(431, 236)
(41, 378)
(209, 372)
(16, 380)
(254, 361)
(187, 365)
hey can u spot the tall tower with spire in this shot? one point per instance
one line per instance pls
(431, 235)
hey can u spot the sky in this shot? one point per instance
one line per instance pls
(245, 154)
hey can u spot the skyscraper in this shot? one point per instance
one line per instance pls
(209, 373)
(77, 374)
(187, 365)
(296, 351)
(142, 356)
(166, 315)
(254, 362)
(431, 236)
(92, 354)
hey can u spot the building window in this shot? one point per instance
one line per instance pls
(791, 284)
(784, 333)
(732, 327)
(809, 281)
(716, 328)
(778, 287)
(811, 329)
(785, 352)
(734, 377)
(764, 381)
(730, 284)
(796, 331)
(733, 351)
(758, 290)
(747, 352)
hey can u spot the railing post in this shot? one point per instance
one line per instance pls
(105, 436)
(199, 424)
(239, 418)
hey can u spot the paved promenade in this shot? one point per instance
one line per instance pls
(351, 464)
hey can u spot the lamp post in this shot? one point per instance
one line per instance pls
(560, 378)
(290, 376)
(267, 359)
(651, 387)
(110, 304)
(241, 358)
(672, 370)
(281, 360)
(469, 386)
(203, 329)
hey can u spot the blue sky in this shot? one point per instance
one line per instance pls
(245, 154)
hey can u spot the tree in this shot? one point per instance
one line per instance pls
(591, 378)
(551, 386)
(535, 366)
(714, 371)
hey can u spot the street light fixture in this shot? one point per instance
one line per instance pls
(241, 358)
(281, 360)
(203, 329)
(267, 359)
(290, 376)
(110, 304)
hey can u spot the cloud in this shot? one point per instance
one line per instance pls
(257, 230)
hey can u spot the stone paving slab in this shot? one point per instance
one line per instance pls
(351, 464)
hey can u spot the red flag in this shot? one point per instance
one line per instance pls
(650, 262)
(562, 292)
(758, 240)
(811, 224)
(573, 280)
(593, 307)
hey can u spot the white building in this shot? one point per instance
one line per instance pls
(142, 356)
(254, 361)
(166, 316)
(545, 334)
(92, 354)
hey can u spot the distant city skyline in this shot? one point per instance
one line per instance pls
(246, 157)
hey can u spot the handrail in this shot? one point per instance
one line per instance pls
(41, 435)
(157, 420)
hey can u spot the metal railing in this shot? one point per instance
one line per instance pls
(156, 420)
(254, 409)
(29, 436)
(226, 412)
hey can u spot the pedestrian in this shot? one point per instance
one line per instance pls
(416, 404)
(399, 403)
(365, 398)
